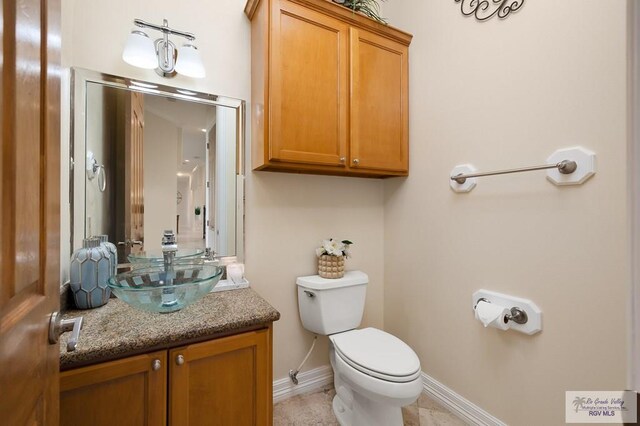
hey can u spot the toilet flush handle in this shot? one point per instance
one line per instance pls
(308, 293)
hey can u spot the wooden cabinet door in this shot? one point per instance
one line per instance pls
(379, 103)
(130, 391)
(227, 381)
(309, 93)
(30, 213)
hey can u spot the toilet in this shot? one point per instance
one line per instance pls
(375, 374)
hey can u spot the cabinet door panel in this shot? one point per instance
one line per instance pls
(225, 381)
(379, 103)
(309, 86)
(123, 392)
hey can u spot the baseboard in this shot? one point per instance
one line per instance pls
(308, 381)
(459, 406)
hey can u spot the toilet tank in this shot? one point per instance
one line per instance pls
(329, 306)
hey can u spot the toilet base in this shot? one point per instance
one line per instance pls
(343, 414)
(366, 412)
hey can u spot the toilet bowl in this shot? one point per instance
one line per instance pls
(375, 373)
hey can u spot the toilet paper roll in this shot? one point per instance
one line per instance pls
(492, 315)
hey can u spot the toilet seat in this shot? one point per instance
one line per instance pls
(377, 354)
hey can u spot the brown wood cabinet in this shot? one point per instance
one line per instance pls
(130, 391)
(222, 382)
(225, 381)
(329, 90)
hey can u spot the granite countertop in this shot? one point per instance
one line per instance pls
(117, 330)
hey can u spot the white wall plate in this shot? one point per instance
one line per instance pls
(585, 159)
(534, 314)
(470, 182)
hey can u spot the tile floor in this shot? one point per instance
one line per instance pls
(315, 409)
(190, 237)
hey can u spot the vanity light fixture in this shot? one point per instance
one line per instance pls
(162, 54)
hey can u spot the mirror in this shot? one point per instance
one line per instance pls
(147, 157)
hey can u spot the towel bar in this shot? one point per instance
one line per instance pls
(565, 167)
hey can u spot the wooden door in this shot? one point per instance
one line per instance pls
(309, 86)
(133, 174)
(130, 391)
(30, 214)
(227, 381)
(379, 103)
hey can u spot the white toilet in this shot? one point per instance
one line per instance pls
(375, 373)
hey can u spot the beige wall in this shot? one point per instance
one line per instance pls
(286, 214)
(504, 94)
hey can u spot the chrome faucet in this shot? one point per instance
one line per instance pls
(209, 254)
(169, 249)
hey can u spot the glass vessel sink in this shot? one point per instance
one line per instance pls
(181, 256)
(150, 288)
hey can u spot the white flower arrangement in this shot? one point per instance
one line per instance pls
(334, 248)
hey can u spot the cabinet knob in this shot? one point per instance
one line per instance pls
(179, 360)
(156, 365)
(356, 161)
(343, 159)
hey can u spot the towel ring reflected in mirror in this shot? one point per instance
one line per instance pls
(96, 170)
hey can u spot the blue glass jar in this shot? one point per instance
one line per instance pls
(89, 271)
(113, 253)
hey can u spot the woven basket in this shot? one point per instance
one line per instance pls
(331, 266)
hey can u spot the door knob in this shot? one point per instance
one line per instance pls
(356, 161)
(156, 365)
(57, 326)
(343, 159)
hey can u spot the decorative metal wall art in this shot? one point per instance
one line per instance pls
(485, 9)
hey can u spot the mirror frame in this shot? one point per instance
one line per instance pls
(80, 78)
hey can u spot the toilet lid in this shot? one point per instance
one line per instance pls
(377, 353)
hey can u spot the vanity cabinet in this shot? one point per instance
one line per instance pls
(225, 381)
(329, 90)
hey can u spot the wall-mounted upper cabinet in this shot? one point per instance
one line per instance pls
(329, 90)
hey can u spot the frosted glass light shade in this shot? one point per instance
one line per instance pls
(189, 62)
(139, 51)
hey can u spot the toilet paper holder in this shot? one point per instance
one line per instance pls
(517, 315)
